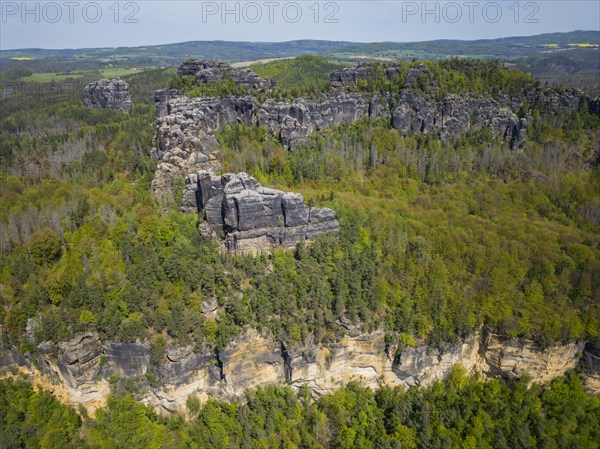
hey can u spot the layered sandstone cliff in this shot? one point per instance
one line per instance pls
(184, 142)
(79, 371)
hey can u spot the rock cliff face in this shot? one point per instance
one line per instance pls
(252, 218)
(590, 364)
(79, 370)
(108, 94)
(184, 142)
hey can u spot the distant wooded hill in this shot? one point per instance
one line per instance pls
(554, 56)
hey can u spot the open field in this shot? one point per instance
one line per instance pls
(111, 72)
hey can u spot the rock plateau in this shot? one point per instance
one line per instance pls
(185, 143)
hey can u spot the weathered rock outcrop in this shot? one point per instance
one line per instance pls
(108, 94)
(208, 71)
(351, 77)
(79, 370)
(590, 364)
(252, 218)
(185, 143)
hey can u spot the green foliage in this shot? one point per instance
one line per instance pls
(437, 238)
(462, 412)
(441, 220)
(127, 424)
(299, 75)
(31, 419)
(44, 246)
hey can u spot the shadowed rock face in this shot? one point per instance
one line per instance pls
(185, 142)
(108, 94)
(248, 217)
(351, 76)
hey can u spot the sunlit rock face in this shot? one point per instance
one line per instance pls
(249, 218)
(79, 371)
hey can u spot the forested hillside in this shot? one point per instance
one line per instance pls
(439, 239)
(463, 412)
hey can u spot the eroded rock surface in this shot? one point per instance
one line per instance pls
(108, 94)
(184, 142)
(78, 371)
(590, 364)
(250, 218)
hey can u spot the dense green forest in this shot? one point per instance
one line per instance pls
(462, 412)
(437, 238)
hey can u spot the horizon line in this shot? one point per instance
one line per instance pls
(299, 40)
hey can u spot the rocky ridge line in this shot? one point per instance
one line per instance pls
(209, 71)
(184, 142)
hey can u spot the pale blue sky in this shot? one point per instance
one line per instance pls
(160, 22)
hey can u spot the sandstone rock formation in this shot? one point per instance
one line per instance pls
(590, 364)
(108, 94)
(251, 218)
(78, 371)
(351, 77)
(184, 142)
(207, 71)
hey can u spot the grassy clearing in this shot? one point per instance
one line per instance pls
(120, 71)
(109, 72)
(48, 77)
